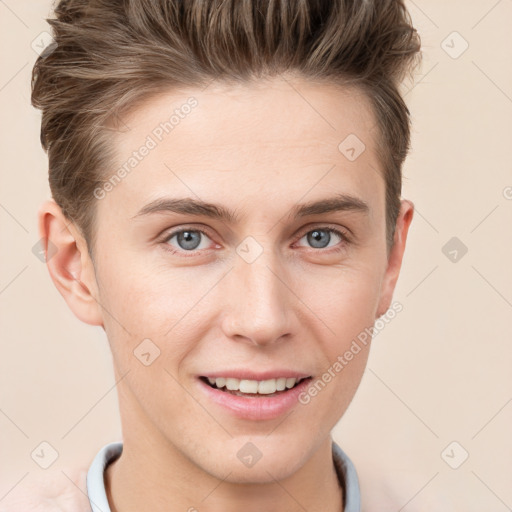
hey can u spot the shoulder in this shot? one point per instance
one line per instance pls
(58, 490)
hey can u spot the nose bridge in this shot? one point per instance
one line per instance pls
(259, 301)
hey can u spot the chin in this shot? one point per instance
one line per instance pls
(257, 460)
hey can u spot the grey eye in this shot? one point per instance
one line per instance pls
(319, 238)
(188, 240)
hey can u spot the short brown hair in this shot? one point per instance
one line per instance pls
(109, 55)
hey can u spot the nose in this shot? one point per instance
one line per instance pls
(258, 306)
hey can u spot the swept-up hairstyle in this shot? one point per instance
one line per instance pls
(109, 55)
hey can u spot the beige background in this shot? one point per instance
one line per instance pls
(440, 372)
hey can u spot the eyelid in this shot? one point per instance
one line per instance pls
(342, 232)
(168, 234)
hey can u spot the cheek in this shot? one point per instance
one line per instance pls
(142, 303)
(346, 300)
(346, 303)
(347, 306)
(143, 297)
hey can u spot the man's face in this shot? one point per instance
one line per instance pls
(266, 294)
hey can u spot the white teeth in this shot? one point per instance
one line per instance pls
(266, 387)
(290, 383)
(281, 384)
(262, 387)
(220, 382)
(233, 384)
(248, 386)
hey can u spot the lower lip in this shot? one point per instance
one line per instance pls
(255, 408)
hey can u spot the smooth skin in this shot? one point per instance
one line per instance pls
(259, 150)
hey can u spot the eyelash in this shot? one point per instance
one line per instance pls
(345, 240)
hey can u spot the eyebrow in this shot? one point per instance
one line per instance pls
(188, 206)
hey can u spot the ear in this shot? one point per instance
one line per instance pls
(69, 263)
(395, 256)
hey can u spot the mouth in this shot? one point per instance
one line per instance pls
(254, 388)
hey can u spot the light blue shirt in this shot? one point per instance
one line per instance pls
(345, 469)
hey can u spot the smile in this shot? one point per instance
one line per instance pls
(245, 387)
(253, 400)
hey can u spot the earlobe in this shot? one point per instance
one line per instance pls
(396, 255)
(69, 263)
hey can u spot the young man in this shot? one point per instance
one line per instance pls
(226, 183)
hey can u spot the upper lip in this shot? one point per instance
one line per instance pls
(245, 374)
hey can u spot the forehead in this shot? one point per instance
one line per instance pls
(265, 111)
(265, 137)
